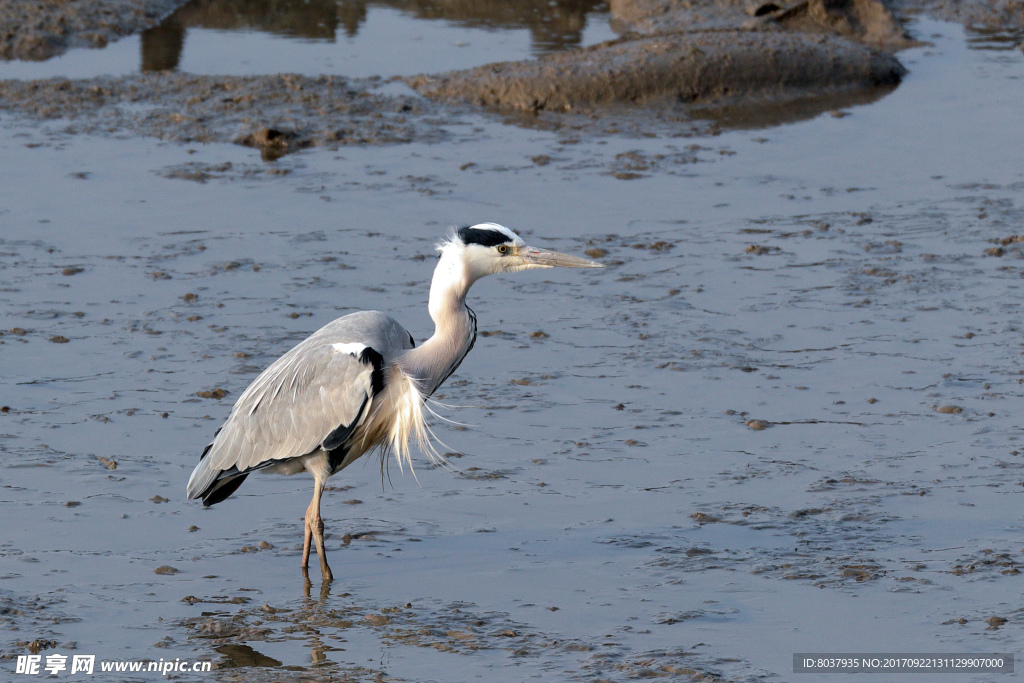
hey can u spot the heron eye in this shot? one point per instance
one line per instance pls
(503, 249)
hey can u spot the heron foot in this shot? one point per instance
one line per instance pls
(321, 551)
(314, 531)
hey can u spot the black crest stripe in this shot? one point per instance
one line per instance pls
(485, 238)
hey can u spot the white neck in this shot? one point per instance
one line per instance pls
(454, 325)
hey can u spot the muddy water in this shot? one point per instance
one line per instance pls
(355, 39)
(783, 419)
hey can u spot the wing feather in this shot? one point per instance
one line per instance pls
(323, 383)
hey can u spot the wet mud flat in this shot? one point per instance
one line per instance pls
(676, 58)
(281, 113)
(783, 419)
(40, 29)
(729, 52)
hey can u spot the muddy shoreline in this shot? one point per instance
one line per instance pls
(283, 112)
(40, 29)
(695, 67)
(774, 57)
(672, 56)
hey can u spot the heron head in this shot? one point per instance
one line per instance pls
(488, 248)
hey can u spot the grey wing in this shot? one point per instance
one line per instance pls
(315, 395)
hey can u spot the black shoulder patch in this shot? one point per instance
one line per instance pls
(485, 238)
(371, 357)
(334, 443)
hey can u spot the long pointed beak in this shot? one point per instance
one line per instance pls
(544, 258)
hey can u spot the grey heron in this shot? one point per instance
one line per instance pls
(360, 383)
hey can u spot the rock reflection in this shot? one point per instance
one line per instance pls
(755, 115)
(310, 19)
(238, 655)
(162, 46)
(553, 24)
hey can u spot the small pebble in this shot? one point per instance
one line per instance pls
(703, 518)
(216, 393)
(948, 409)
(757, 425)
(166, 569)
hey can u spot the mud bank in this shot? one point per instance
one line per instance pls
(278, 113)
(712, 51)
(865, 21)
(720, 55)
(40, 29)
(686, 67)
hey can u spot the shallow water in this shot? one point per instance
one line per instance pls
(349, 38)
(827, 277)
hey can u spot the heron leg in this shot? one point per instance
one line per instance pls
(307, 537)
(315, 531)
